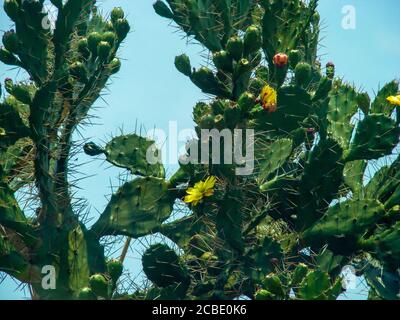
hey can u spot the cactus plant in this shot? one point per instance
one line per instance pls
(283, 231)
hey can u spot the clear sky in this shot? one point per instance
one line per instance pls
(150, 91)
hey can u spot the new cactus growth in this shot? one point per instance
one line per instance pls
(283, 231)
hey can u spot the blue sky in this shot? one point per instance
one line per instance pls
(150, 91)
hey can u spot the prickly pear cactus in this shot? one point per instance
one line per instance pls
(67, 67)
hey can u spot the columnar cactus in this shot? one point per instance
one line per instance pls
(284, 231)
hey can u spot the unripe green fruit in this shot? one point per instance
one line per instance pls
(330, 70)
(92, 149)
(86, 294)
(232, 117)
(122, 28)
(78, 71)
(223, 61)
(93, 40)
(235, 47)
(246, 102)
(117, 13)
(115, 65)
(263, 295)
(83, 48)
(11, 8)
(103, 50)
(162, 9)
(109, 37)
(10, 41)
(218, 107)
(303, 73)
(252, 40)
(299, 273)
(364, 102)
(295, 56)
(242, 67)
(8, 58)
(9, 85)
(22, 94)
(207, 122)
(182, 63)
(114, 269)
(99, 285)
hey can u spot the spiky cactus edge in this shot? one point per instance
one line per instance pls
(68, 68)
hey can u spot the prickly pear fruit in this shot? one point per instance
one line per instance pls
(99, 285)
(162, 9)
(330, 70)
(280, 60)
(10, 41)
(122, 28)
(303, 73)
(93, 40)
(115, 65)
(252, 40)
(8, 58)
(86, 294)
(9, 85)
(246, 102)
(83, 47)
(295, 57)
(103, 50)
(22, 94)
(117, 13)
(182, 63)
(11, 8)
(223, 61)
(92, 149)
(78, 71)
(114, 269)
(235, 47)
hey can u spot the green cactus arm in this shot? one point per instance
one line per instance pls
(138, 208)
(342, 107)
(384, 283)
(376, 136)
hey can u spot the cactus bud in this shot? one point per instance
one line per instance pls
(86, 294)
(273, 284)
(10, 41)
(78, 71)
(303, 73)
(115, 65)
(162, 9)
(232, 117)
(22, 94)
(223, 61)
(330, 70)
(235, 47)
(117, 13)
(295, 57)
(204, 78)
(114, 269)
(182, 63)
(8, 58)
(207, 122)
(109, 37)
(252, 40)
(242, 67)
(93, 40)
(218, 107)
(92, 149)
(280, 60)
(103, 50)
(122, 28)
(11, 8)
(99, 285)
(246, 102)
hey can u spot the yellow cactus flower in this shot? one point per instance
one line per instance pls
(395, 100)
(200, 190)
(268, 98)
